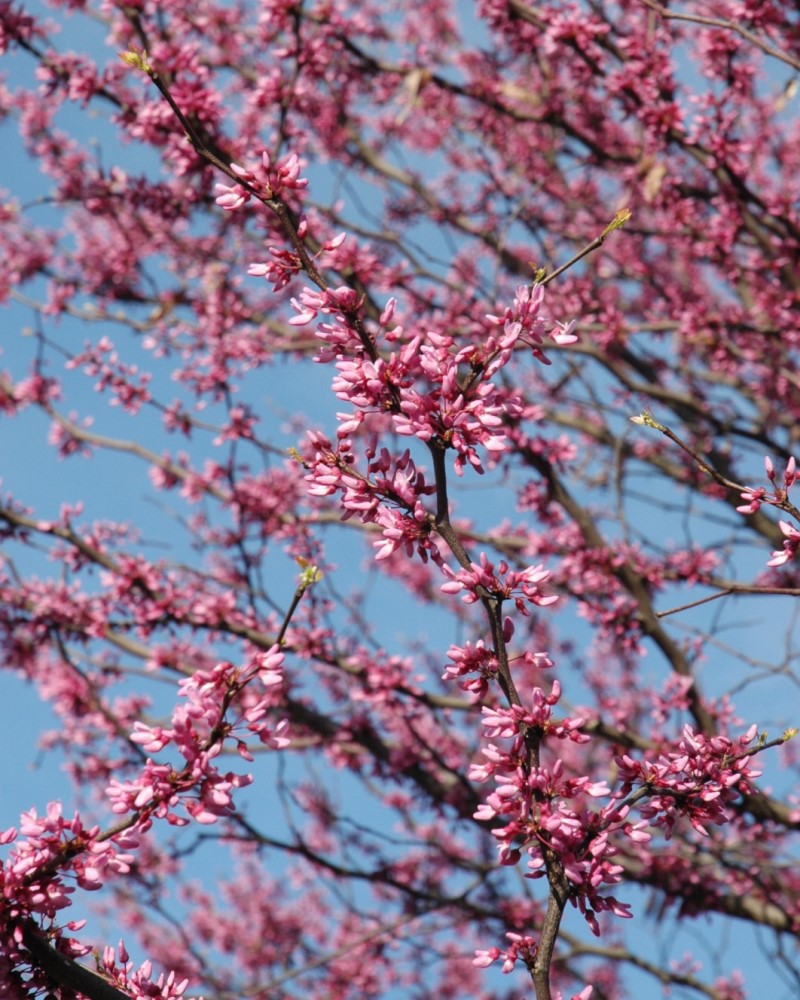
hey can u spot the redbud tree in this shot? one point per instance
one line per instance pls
(389, 531)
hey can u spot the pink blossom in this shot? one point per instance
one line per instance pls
(523, 320)
(522, 948)
(791, 545)
(591, 747)
(139, 983)
(481, 580)
(265, 180)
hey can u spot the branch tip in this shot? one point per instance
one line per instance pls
(619, 220)
(137, 59)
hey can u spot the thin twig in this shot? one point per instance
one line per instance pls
(738, 589)
(718, 22)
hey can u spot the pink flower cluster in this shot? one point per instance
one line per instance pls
(49, 853)
(329, 302)
(285, 264)
(533, 804)
(128, 386)
(55, 850)
(139, 984)
(404, 521)
(779, 497)
(36, 390)
(481, 660)
(463, 415)
(543, 811)
(469, 659)
(434, 390)
(522, 948)
(389, 495)
(791, 545)
(198, 732)
(522, 321)
(52, 851)
(482, 580)
(266, 181)
(699, 779)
